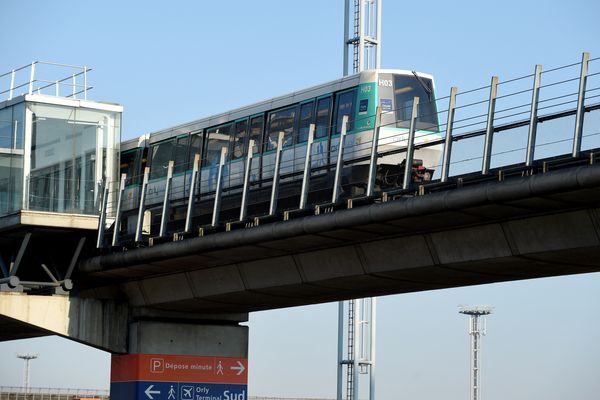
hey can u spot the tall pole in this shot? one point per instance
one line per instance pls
(365, 54)
(476, 330)
(27, 358)
(366, 39)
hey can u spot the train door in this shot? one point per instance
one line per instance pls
(217, 138)
(257, 124)
(344, 105)
(180, 159)
(320, 151)
(238, 149)
(307, 115)
(282, 120)
(131, 165)
(196, 140)
(160, 154)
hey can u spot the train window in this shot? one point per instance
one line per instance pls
(344, 106)
(195, 147)
(161, 154)
(130, 162)
(256, 132)
(306, 118)
(218, 137)
(240, 143)
(281, 120)
(405, 89)
(181, 154)
(323, 113)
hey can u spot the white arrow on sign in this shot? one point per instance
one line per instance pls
(149, 392)
(239, 368)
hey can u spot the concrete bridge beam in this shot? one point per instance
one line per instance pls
(98, 323)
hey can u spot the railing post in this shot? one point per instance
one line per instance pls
(307, 164)
(74, 86)
(410, 146)
(31, 77)
(57, 86)
(580, 105)
(489, 129)
(85, 82)
(218, 191)
(117, 225)
(247, 171)
(165, 209)
(373, 160)
(533, 116)
(448, 142)
(142, 205)
(102, 221)
(192, 194)
(337, 187)
(275, 187)
(12, 84)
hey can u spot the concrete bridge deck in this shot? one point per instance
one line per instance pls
(521, 227)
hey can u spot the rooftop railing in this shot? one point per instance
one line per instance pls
(48, 78)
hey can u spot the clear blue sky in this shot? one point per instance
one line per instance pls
(170, 62)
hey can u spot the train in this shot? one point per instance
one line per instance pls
(359, 97)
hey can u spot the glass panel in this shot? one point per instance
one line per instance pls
(323, 113)
(306, 117)
(161, 154)
(281, 120)
(4, 183)
(73, 151)
(405, 89)
(6, 127)
(128, 165)
(256, 133)
(181, 154)
(218, 137)
(195, 147)
(239, 144)
(18, 125)
(345, 106)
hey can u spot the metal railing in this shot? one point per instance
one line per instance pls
(36, 393)
(20, 393)
(506, 123)
(43, 77)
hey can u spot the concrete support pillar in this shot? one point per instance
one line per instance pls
(182, 361)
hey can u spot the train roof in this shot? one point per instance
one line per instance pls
(274, 103)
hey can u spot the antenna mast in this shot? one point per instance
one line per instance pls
(366, 40)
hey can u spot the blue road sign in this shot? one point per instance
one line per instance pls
(147, 390)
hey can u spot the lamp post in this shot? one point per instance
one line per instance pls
(26, 358)
(476, 329)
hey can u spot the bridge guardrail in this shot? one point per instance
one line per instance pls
(516, 121)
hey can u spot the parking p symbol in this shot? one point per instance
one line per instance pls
(156, 365)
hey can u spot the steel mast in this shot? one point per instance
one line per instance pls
(476, 330)
(366, 40)
(360, 324)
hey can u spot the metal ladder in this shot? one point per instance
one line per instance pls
(350, 366)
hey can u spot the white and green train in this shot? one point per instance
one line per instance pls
(356, 96)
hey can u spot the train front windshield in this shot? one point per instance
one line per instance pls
(408, 87)
(396, 93)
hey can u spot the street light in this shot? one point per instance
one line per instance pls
(26, 358)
